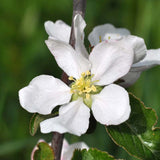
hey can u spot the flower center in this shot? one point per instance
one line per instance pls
(84, 86)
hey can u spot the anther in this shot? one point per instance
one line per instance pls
(71, 78)
(83, 74)
(93, 88)
(88, 73)
(87, 96)
(100, 39)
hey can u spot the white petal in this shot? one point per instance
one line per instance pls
(110, 61)
(73, 118)
(79, 25)
(67, 155)
(152, 59)
(129, 79)
(65, 147)
(58, 30)
(111, 106)
(138, 46)
(71, 62)
(103, 30)
(43, 94)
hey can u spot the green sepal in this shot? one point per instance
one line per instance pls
(74, 97)
(88, 101)
(44, 152)
(36, 119)
(91, 154)
(98, 89)
(138, 136)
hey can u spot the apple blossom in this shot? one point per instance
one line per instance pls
(106, 63)
(67, 150)
(92, 86)
(143, 58)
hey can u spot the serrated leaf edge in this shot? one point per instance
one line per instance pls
(153, 127)
(48, 146)
(104, 152)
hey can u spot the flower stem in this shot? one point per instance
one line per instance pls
(79, 7)
(57, 141)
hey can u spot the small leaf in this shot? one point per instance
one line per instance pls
(138, 135)
(36, 120)
(44, 152)
(91, 154)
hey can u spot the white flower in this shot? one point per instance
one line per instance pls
(143, 58)
(67, 150)
(92, 87)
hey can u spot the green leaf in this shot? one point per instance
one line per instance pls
(36, 120)
(44, 152)
(138, 136)
(91, 154)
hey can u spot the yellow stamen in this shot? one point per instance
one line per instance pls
(87, 96)
(87, 90)
(83, 74)
(88, 73)
(100, 39)
(71, 78)
(93, 88)
(84, 85)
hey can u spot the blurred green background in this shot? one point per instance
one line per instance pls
(24, 55)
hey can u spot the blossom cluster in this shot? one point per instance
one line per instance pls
(98, 79)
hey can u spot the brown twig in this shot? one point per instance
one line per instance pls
(79, 7)
(57, 142)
